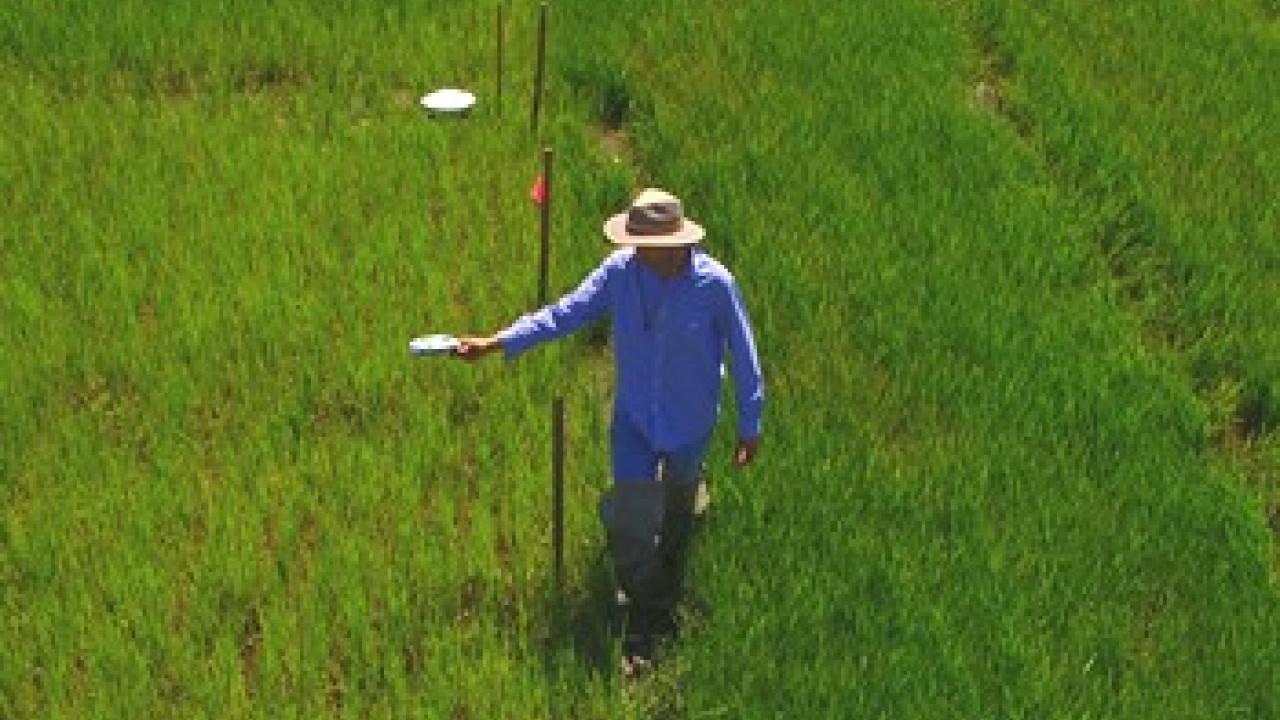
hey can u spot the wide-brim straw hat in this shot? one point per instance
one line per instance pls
(655, 219)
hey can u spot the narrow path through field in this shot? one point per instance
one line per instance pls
(990, 86)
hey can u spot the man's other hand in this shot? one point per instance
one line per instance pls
(746, 451)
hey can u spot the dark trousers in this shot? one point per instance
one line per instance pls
(648, 520)
(649, 526)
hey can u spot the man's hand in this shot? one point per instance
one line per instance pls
(746, 451)
(474, 348)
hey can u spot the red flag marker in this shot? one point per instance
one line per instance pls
(538, 193)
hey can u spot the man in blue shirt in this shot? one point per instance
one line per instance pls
(675, 310)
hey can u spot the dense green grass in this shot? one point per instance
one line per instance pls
(1020, 357)
(1022, 511)
(1161, 134)
(208, 395)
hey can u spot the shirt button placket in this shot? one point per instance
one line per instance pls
(658, 428)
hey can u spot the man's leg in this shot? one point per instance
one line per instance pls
(632, 514)
(681, 478)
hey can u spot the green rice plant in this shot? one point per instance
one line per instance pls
(227, 489)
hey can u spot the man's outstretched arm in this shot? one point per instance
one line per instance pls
(586, 303)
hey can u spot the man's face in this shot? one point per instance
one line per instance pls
(666, 261)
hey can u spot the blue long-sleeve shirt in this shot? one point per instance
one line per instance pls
(669, 338)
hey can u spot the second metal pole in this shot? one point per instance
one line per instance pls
(544, 255)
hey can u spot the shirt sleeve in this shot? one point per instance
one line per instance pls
(588, 302)
(748, 381)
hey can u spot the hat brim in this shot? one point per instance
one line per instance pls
(615, 228)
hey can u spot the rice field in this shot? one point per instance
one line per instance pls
(1013, 275)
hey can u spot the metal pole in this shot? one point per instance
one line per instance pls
(557, 404)
(538, 70)
(544, 256)
(497, 104)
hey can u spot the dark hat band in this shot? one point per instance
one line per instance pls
(655, 219)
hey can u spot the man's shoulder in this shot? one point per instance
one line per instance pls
(618, 259)
(711, 271)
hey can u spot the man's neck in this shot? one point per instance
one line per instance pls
(672, 269)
